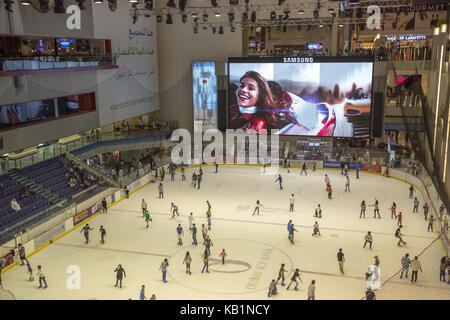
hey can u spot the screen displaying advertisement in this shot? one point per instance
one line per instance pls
(314, 96)
(204, 90)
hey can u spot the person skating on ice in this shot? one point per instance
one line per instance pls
(143, 207)
(205, 261)
(330, 191)
(199, 179)
(280, 180)
(208, 204)
(217, 166)
(430, 223)
(208, 217)
(172, 175)
(180, 234)
(425, 210)
(316, 229)
(416, 205)
(342, 168)
(30, 272)
(142, 293)
(406, 262)
(204, 232)
(318, 212)
(393, 210)
(304, 169)
(222, 255)
(127, 193)
(102, 235)
(327, 182)
(272, 289)
(346, 170)
(341, 260)
(399, 235)
(441, 211)
(363, 210)
(194, 180)
(41, 277)
(86, 229)
(377, 261)
(120, 274)
(258, 205)
(376, 209)
(368, 240)
(174, 210)
(191, 220)
(291, 233)
(187, 261)
(163, 269)
(194, 234)
(281, 273)
(147, 219)
(347, 184)
(105, 206)
(294, 278)
(183, 176)
(312, 290)
(442, 267)
(415, 268)
(291, 203)
(411, 191)
(208, 245)
(22, 255)
(161, 190)
(289, 227)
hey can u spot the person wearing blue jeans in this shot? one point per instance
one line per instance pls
(205, 261)
(163, 268)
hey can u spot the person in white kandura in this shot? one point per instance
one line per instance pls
(191, 220)
(291, 203)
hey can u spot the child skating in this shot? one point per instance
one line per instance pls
(222, 255)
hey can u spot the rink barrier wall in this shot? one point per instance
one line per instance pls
(145, 180)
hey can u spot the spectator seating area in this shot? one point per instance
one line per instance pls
(30, 205)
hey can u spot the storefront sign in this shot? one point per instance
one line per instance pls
(407, 37)
(314, 46)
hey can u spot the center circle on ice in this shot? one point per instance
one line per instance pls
(249, 266)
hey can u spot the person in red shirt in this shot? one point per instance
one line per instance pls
(399, 218)
(223, 254)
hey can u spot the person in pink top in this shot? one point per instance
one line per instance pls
(393, 209)
(223, 254)
(399, 218)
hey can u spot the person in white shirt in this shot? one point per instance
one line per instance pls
(15, 205)
(191, 220)
(291, 203)
(312, 290)
(144, 207)
(327, 182)
(41, 276)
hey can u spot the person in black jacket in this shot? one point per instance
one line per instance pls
(105, 205)
(86, 229)
(120, 274)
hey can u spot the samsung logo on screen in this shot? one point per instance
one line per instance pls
(298, 60)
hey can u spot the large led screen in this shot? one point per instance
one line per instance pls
(323, 96)
(204, 89)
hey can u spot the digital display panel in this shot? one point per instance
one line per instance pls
(204, 89)
(310, 96)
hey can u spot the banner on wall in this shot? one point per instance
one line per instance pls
(204, 93)
(337, 165)
(49, 235)
(80, 217)
(372, 168)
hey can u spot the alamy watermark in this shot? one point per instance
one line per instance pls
(234, 146)
(374, 19)
(74, 19)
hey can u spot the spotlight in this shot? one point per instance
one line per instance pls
(149, 4)
(234, 2)
(169, 19)
(183, 18)
(231, 17)
(253, 16)
(194, 15)
(95, 2)
(220, 30)
(133, 1)
(182, 5)
(8, 5)
(330, 10)
(214, 3)
(59, 7)
(213, 30)
(25, 3)
(273, 15)
(81, 4)
(301, 11)
(171, 4)
(112, 5)
(217, 14)
(280, 2)
(158, 18)
(320, 25)
(286, 15)
(205, 17)
(340, 25)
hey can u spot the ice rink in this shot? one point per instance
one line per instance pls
(256, 245)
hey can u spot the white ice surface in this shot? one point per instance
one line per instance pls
(259, 242)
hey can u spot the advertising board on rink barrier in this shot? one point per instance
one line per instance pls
(371, 168)
(337, 165)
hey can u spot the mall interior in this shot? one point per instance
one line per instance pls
(91, 92)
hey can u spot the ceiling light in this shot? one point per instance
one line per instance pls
(98, 1)
(340, 25)
(217, 14)
(25, 2)
(194, 15)
(301, 11)
(330, 10)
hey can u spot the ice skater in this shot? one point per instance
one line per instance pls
(393, 209)
(41, 277)
(208, 245)
(280, 180)
(363, 210)
(416, 205)
(341, 260)
(291, 203)
(441, 211)
(330, 191)
(272, 289)
(415, 268)
(430, 223)
(411, 191)
(187, 261)
(399, 235)
(105, 206)
(318, 212)
(376, 209)
(191, 220)
(406, 262)
(304, 169)
(294, 278)
(147, 219)
(163, 269)
(180, 234)
(312, 290)
(281, 273)
(194, 180)
(342, 168)
(346, 170)
(102, 235)
(142, 293)
(199, 180)
(120, 274)
(399, 218)
(347, 184)
(204, 233)
(291, 233)
(208, 204)
(127, 193)
(258, 205)
(161, 190)
(425, 210)
(30, 272)
(194, 234)
(183, 176)
(368, 240)
(172, 175)
(86, 229)
(222, 255)
(217, 166)
(22, 254)
(205, 261)
(174, 210)
(143, 207)
(316, 229)
(289, 228)
(357, 171)
(208, 217)
(327, 182)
